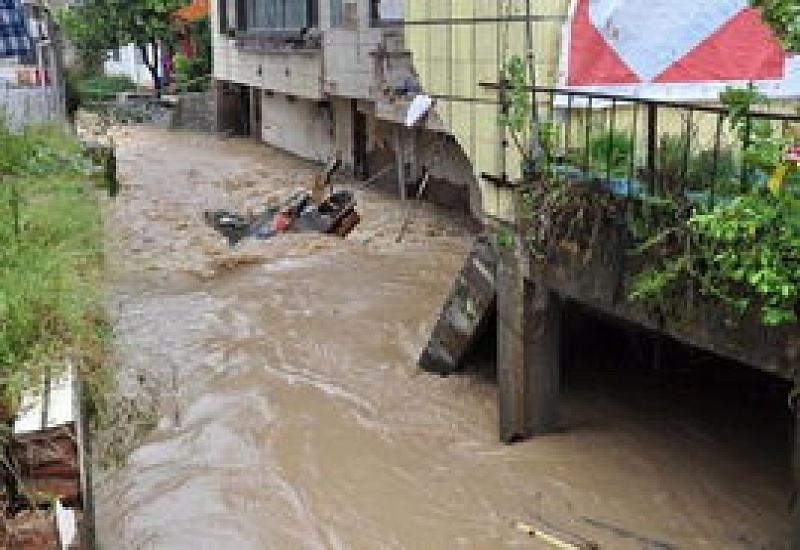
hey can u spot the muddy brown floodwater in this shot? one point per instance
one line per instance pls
(291, 413)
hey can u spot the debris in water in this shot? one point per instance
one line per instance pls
(44, 468)
(319, 210)
(30, 530)
(622, 533)
(556, 541)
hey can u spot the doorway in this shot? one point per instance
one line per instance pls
(234, 109)
(360, 168)
(256, 113)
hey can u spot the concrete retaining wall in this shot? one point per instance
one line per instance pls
(302, 127)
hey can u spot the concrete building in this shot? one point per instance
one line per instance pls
(47, 42)
(462, 52)
(32, 86)
(332, 77)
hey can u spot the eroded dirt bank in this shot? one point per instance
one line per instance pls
(291, 414)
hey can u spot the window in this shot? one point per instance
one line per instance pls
(241, 14)
(222, 13)
(386, 10)
(374, 10)
(281, 14)
(232, 16)
(336, 13)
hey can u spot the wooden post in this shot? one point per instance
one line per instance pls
(83, 441)
(528, 354)
(111, 170)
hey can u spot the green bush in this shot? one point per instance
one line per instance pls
(751, 248)
(707, 164)
(100, 87)
(673, 157)
(611, 151)
(190, 74)
(744, 253)
(194, 74)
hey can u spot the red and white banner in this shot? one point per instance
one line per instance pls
(673, 49)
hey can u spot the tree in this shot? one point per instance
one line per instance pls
(192, 74)
(783, 16)
(89, 34)
(101, 25)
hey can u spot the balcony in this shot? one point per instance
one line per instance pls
(278, 41)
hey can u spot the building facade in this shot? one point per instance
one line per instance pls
(32, 86)
(324, 78)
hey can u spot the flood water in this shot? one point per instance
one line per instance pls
(291, 413)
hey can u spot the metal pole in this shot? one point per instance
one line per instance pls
(111, 170)
(652, 144)
(55, 81)
(47, 381)
(40, 69)
(535, 145)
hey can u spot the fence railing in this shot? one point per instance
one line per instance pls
(646, 148)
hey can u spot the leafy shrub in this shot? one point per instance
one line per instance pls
(103, 86)
(191, 74)
(194, 74)
(611, 151)
(707, 165)
(745, 251)
(673, 157)
(752, 250)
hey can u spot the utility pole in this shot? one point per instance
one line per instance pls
(535, 151)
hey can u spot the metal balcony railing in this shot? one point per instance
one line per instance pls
(646, 148)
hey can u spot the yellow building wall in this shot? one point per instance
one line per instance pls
(452, 59)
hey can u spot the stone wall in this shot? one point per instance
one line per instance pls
(196, 111)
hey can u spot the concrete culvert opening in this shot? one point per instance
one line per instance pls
(704, 440)
(710, 435)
